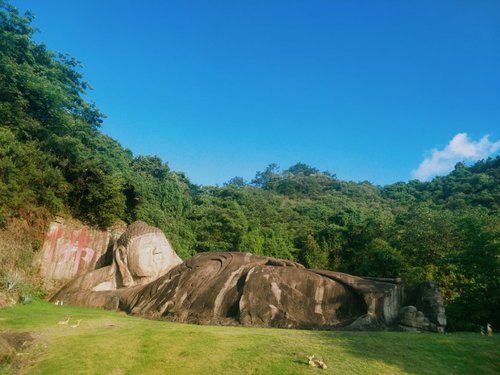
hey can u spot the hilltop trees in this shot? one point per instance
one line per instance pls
(416, 231)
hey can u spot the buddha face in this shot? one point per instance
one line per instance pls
(149, 255)
(146, 257)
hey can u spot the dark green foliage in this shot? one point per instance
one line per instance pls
(268, 179)
(379, 259)
(53, 157)
(237, 182)
(313, 255)
(474, 271)
(298, 180)
(27, 177)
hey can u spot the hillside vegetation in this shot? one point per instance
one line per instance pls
(55, 160)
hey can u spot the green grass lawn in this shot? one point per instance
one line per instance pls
(114, 343)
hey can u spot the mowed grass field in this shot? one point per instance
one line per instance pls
(114, 343)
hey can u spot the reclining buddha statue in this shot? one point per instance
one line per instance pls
(147, 278)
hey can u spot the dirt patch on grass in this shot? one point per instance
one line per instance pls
(10, 344)
(18, 350)
(17, 340)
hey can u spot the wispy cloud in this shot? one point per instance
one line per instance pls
(460, 148)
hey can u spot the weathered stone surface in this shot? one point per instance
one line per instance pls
(237, 289)
(241, 288)
(382, 299)
(427, 298)
(245, 289)
(411, 319)
(142, 254)
(71, 249)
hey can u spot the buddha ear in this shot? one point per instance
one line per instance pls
(122, 263)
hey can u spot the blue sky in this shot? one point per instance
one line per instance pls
(382, 91)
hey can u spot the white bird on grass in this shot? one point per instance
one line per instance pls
(489, 330)
(64, 321)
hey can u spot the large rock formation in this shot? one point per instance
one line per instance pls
(425, 310)
(234, 289)
(71, 249)
(141, 255)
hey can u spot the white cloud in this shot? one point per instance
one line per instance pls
(460, 148)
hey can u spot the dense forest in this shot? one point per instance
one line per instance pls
(54, 160)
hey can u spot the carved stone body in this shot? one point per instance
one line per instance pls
(141, 255)
(237, 289)
(242, 288)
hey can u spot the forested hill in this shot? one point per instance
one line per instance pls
(54, 160)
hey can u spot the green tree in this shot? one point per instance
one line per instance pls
(475, 271)
(314, 256)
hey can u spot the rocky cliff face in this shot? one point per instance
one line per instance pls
(71, 249)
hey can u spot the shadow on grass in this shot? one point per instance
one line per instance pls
(420, 353)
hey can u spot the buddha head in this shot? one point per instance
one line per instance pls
(143, 254)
